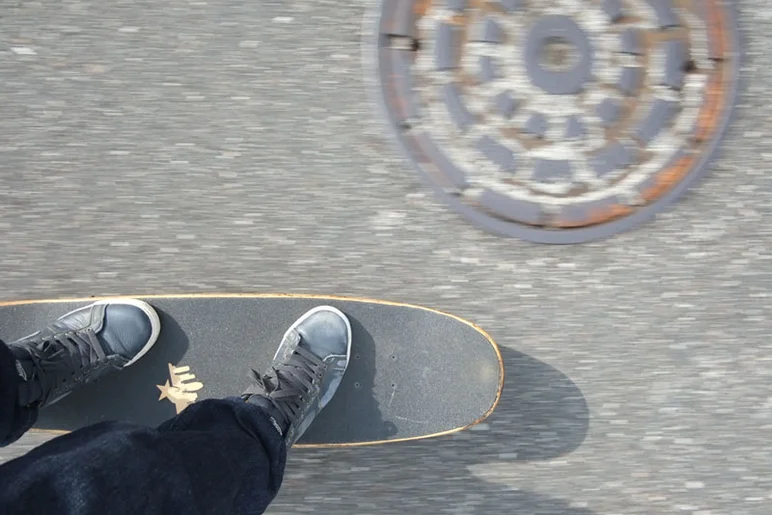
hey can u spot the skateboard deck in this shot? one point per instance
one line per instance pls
(414, 372)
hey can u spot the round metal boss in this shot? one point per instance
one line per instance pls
(558, 121)
(557, 30)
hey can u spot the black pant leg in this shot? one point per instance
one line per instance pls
(218, 456)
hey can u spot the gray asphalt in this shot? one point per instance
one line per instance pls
(186, 146)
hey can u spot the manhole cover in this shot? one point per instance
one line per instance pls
(558, 121)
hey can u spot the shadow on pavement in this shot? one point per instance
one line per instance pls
(542, 415)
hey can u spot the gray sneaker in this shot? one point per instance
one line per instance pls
(306, 371)
(82, 346)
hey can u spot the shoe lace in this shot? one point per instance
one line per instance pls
(61, 357)
(287, 384)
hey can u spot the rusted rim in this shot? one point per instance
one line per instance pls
(558, 121)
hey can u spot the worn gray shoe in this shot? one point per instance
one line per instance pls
(82, 346)
(306, 371)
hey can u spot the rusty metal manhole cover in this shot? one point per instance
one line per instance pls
(558, 121)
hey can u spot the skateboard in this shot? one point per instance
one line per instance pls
(414, 372)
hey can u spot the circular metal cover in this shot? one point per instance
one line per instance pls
(558, 121)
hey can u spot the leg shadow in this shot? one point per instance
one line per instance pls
(542, 415)
(353, 413)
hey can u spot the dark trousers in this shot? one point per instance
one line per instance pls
(217, 456)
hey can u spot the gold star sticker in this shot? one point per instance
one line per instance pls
(164, 390)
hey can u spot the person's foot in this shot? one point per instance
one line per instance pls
(82, 346)
(306, 371)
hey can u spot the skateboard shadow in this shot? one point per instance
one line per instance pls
(109, 398)
(542, 415)
(353, 413)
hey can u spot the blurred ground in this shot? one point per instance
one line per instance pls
(189, 146)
